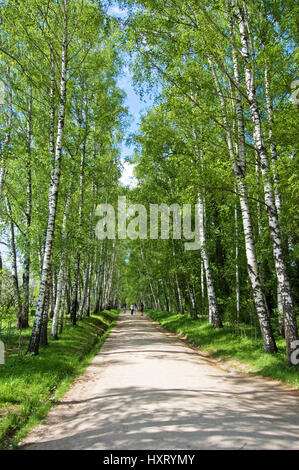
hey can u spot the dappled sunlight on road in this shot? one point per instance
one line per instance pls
(148, 390)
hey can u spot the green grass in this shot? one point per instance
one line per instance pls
(31, 385)
(226, 344)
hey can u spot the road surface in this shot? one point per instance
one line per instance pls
(147, 389)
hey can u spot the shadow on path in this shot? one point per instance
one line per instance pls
(146, 390)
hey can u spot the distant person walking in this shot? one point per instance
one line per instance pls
(132, 309)
(135, 307)
(141, 308)
(125, 307)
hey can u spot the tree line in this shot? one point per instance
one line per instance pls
(62, 120)
(221, 135)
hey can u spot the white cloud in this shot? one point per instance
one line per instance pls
(127, 178)
(114, 10)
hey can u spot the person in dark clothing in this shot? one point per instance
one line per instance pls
(141, 308)
(125, 307)
(132, 309)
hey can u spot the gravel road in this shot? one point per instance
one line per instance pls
(147, 389)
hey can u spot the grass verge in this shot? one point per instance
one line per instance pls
(228, 346)
(31, 385)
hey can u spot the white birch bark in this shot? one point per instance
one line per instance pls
(84, 297)
(52, 106)
(149, 278)
(98, 277)
(26, 273)
(192, 300)
(74, 303)
(55, 320)
(237, 264)
(53, 197)
(202, 285)
(239, 159)
(275, 232)
(277, 195)
(85, 307)
(178, 288)
(14, 267)
(111, 273)
(63, 306)
(60, 281)
(103, 273)
(214, 316)
(1, 267)
(3, 167)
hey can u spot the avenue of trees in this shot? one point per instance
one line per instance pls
(61, 123)
(221, 136)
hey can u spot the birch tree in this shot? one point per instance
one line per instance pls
(54, 188)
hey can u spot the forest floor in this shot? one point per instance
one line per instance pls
(147, 389)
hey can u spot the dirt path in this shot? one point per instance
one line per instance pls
(148, 390)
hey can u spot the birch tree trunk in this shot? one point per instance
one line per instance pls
(239, 161)
(192, 300)
(275, 232)
(14, 268)
(43, 339)
(63, 306)
(88, 295)
(53, 197)
(26, 273)
(55, 320)
(166, 296)
(74, 303)
(61, 281)
(98, 277)
(52, 106)
(84, 296)
(1, 267)
(90, 259)
(178, 287)
(214, 316)
(237, 264)
(110, 274)
(202, 287)
(274, 156)
(149, 278)
(3, 167)
(103, 270)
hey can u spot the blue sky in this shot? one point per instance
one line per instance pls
(135, 105)
(136, 108)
